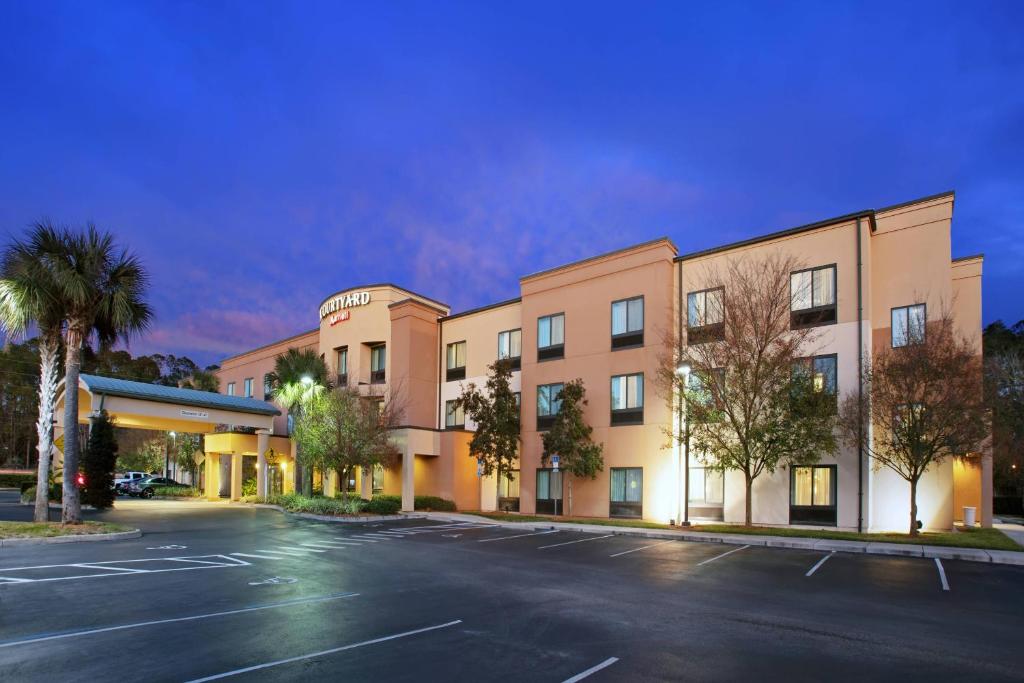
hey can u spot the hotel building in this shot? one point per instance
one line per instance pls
(877, 277)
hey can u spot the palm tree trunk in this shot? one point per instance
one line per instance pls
(48, 349)
(72, 510)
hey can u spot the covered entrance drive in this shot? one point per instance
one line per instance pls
(233, 427)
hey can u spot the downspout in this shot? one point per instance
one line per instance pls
(682, 476)
(440, 359)
(860, 386)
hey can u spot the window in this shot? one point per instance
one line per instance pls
(291, 424)
(707, 487)
(627, 492)
(628, 323)
(456, 361)
(377, 481)
(705, 316)
(812, 495)
(378, 357)
(549, 492)
(454, 415)
(343, 366)
(247, 384)
(268, 389)
(548, 404)
(700, 391)
(551, 337)
(812, 296)
(822, 371)
(628, 399)
(508, 492)
(510, 347)
(231, 388)
(908, 325)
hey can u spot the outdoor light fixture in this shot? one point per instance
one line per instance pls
(683, 370)
(307, 380)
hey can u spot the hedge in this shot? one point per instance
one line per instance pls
(383, 505)
(434, 503)
(56, 494)
(177, 492)
(16, 480)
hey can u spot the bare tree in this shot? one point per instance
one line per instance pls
(749, 407)
(925, 403)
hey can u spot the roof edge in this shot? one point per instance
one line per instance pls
(192, 397)
(481, 309)
(606, 254)
(410, 300)
(268, 345)
(961, 259)
(919, 200)
(385, 284)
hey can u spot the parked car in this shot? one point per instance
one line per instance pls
(145, 487)
(121, 482)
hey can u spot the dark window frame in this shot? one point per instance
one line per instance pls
(342, 376)
(510, 503)
(547, 505)
(378, 376)
(709, 332)
(835, 357)
(623, 509)
(453, 374)
(544, 422)
(816, 515)
(552, 351)
(461, 425)
(630, 339)
(628, 416)
(815, 316)
(515, 361)
(924, 332)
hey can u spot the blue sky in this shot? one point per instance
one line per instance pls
(260, 156)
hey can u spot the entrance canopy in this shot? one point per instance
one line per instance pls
(138, 405)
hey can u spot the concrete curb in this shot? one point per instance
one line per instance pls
(1009, 557)
(79, 538)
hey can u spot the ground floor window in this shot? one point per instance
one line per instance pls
(508, 492)
(549, 492)
(627, 494)
(812, 495)
(706, 492)
(378, 479)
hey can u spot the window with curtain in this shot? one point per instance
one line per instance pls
(267, 389)
(378, 364)
(456, 366)
(908, 325)
(812, 294)
(248, 387)
(549, 492)
(454, 415)
(813, 495)
(628, 323)
(510, 347)
(821, 370)
(548, 404)
(627, 492)
(342, 361)
(705, 316)
(231, 389)
(551, 337)
(707, 486)
(627, 399)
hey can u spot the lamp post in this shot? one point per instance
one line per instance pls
(684, 496)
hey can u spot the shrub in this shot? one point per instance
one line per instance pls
(384, 505)
(249, 487)
(56, 494)
(294, 502)
(17, 480)
(434, 503)
(98, 462)
(177, 492)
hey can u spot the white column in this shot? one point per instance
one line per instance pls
(408, 479)
(262, 444)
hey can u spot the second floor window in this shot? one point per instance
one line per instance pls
(378, 358)
(551, 337)
(628, 323)
(247, 384)
(908, 325)
(628, 399)
(231, 389)
(343, 366)
(456, 367)
(267, 388)
(812, 296)
(510, 347)
(822, 371)
(454, 415)
(705, 316)
(548, 404)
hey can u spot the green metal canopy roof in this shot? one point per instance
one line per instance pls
(186, 397)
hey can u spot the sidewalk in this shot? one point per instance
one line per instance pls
(825, 545)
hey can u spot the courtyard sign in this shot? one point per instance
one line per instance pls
(343, 301)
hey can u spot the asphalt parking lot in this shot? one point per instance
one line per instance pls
(216, 591)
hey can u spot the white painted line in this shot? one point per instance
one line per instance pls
(518, 536)
(330, 545)
(378, 536)
(11, 579)
(258, 557)
(280, 552)
(581, 540)
(86, 565)
(643, 547)
(942, 574)
(592, 670)
(363, 540)
(332, 651)
(734, 550)
(819, 563)
(296, 549)
(75, 634)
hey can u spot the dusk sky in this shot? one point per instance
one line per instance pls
(260, 156)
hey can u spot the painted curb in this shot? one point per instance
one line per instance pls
(1008, 557)
(80, 538)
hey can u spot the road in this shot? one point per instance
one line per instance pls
(215, 591)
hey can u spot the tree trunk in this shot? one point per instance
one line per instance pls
(48, 349)
(913, 507)
(748, 519)
(497, 492)
(72, 509)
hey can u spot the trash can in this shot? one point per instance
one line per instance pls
(970, 515)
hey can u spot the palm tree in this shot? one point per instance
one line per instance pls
(202, 380)
(298, 377)
(102, 289)
(29, 296)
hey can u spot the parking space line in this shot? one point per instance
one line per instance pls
(819, 563)
(716, 557)
(86, 565)
(105, 629)
(505, 538)
(297, 549)
(322, 653)
(942, 574)
(362, 540)
(592, 670)
(280, 552)
(330, 545)
(258, 557)
(581, 540)
(643, 547)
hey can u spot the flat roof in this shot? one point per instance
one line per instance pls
(111, 386)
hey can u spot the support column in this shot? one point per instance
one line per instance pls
(211, 465)
(262, 444)
(986, 487)
(329, 482)
(236, 476)
(366, 482)
(408, 481)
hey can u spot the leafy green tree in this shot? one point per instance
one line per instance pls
(202, 380)
(570, 436)
(299, 376)
(98, 463)
(495, 411)
(101, 289)
(19, 402)
(1004, 391)
(31, 293)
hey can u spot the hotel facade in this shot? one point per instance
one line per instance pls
(877, 276)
